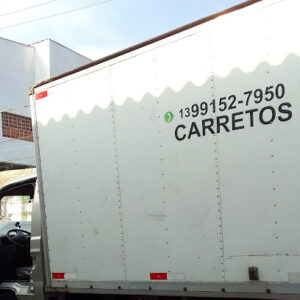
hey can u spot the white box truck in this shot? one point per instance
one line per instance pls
(171, 168)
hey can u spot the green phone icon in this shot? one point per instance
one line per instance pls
(168, 117)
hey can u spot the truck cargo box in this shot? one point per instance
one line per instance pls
(172, 167)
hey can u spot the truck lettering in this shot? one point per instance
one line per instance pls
(285, 111)
(251, 115)
(268, 94)
(208, 126)
(176, 133)
(222, 123)
(263, 117)
(235, 121)
(194, 130)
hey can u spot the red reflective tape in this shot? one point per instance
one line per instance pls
(41, 95)
(158, 276)
(58, 275)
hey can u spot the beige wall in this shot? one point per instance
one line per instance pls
(6, 176)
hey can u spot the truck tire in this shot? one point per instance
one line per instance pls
(7, 295)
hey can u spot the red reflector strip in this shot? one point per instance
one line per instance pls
(41, 95)
(58, 275)
(158, 276)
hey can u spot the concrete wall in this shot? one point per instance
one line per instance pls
(7, 176)
(42, 61)
(22, 66)
(16, 75)
(52, 58)
(63, 59)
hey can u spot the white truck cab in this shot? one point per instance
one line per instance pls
(17, 264)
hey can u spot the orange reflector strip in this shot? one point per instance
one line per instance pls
(158, 276)
(41, 95)
(58, 275)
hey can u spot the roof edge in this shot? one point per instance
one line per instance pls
(72, 50)
(15, 42)
(61, 45)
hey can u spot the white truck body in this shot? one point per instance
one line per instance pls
(173, 168)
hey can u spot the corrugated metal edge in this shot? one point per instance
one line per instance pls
(145, 43)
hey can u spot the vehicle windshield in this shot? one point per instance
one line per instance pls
(15, 209)
(15, 231)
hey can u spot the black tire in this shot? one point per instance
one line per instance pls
(7, 295)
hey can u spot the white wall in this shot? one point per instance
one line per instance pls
(42, 60)
(22, 66)
(52, 58)
(16, 75)
(63, 59)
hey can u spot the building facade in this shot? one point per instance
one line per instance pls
(22, 66)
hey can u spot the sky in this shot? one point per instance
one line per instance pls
(102, 27)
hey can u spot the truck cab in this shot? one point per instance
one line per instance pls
(19, 238)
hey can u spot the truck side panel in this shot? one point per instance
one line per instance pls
(169, 191)
(176, 164)
(79, 180)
